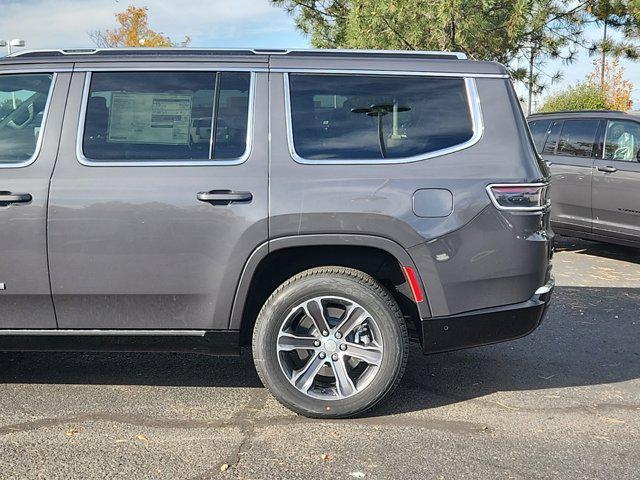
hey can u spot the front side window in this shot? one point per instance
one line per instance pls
(622, 140)
(166, 116)
(23, 99)
(577, 138)
(357, 117)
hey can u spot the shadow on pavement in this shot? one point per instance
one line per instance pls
(597, 249)
(590, 337)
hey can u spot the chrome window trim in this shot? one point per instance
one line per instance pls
(186, 68)
(517, 209)
(43, 125)
(396, 73)
(36, 70)
(82, 159)
(474, 110)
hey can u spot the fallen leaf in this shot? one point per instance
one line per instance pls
(613, 420)
(506, 406)
(326, 456)
(143, 439)
(224, 467)
(72, 431)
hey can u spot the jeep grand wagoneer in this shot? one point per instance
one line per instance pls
(320, 206)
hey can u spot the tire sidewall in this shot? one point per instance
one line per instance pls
(378, 303)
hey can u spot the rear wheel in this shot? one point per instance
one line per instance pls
(330, 342)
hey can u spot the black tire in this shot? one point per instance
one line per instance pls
(326, 281)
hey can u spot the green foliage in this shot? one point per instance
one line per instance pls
(507, 31)
(582, 96)
(324, 21)
(619, 15)
(522, 34)
(484, 29)
(554, 30)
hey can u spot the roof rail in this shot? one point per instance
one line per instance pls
(231, 51)
(575, 111)
(128, 51)
(331, 51)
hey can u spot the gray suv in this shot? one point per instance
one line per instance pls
(594, 158)
(321, 206)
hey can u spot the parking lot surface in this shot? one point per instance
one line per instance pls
(561, 403)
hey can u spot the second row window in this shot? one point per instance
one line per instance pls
(166, 116)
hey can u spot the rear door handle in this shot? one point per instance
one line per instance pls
(608, 169)
(224, 197)
(7, 198)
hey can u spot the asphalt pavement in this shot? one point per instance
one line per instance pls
(563, 402)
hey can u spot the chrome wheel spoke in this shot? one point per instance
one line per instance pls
(354, 317)
(288, 342)
(303, 378)
(314, 310)
(370, 354)
(325, 362)
(344, 384)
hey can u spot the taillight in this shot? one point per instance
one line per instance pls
(519, 197)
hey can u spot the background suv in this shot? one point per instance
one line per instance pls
(320, 206)
(594, 159)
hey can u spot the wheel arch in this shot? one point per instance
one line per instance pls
(261, 274)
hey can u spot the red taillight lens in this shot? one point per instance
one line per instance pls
(519, 197)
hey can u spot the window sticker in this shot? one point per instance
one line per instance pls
(157, 118)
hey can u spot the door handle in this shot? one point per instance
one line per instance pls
(224, 197)
(7, 198)
(607, 169)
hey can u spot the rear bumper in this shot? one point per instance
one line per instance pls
(486, 326)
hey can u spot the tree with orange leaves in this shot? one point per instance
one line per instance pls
(592, 93)
(615, 87)
(134, 31)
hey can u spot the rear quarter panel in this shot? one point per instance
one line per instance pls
(482, 246)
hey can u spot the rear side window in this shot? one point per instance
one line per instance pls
(23, 100)
(552, 138)
(578, 138)
(357, 117)
(539, 130)
(166, 116)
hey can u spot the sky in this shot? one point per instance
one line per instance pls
(209, 23)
